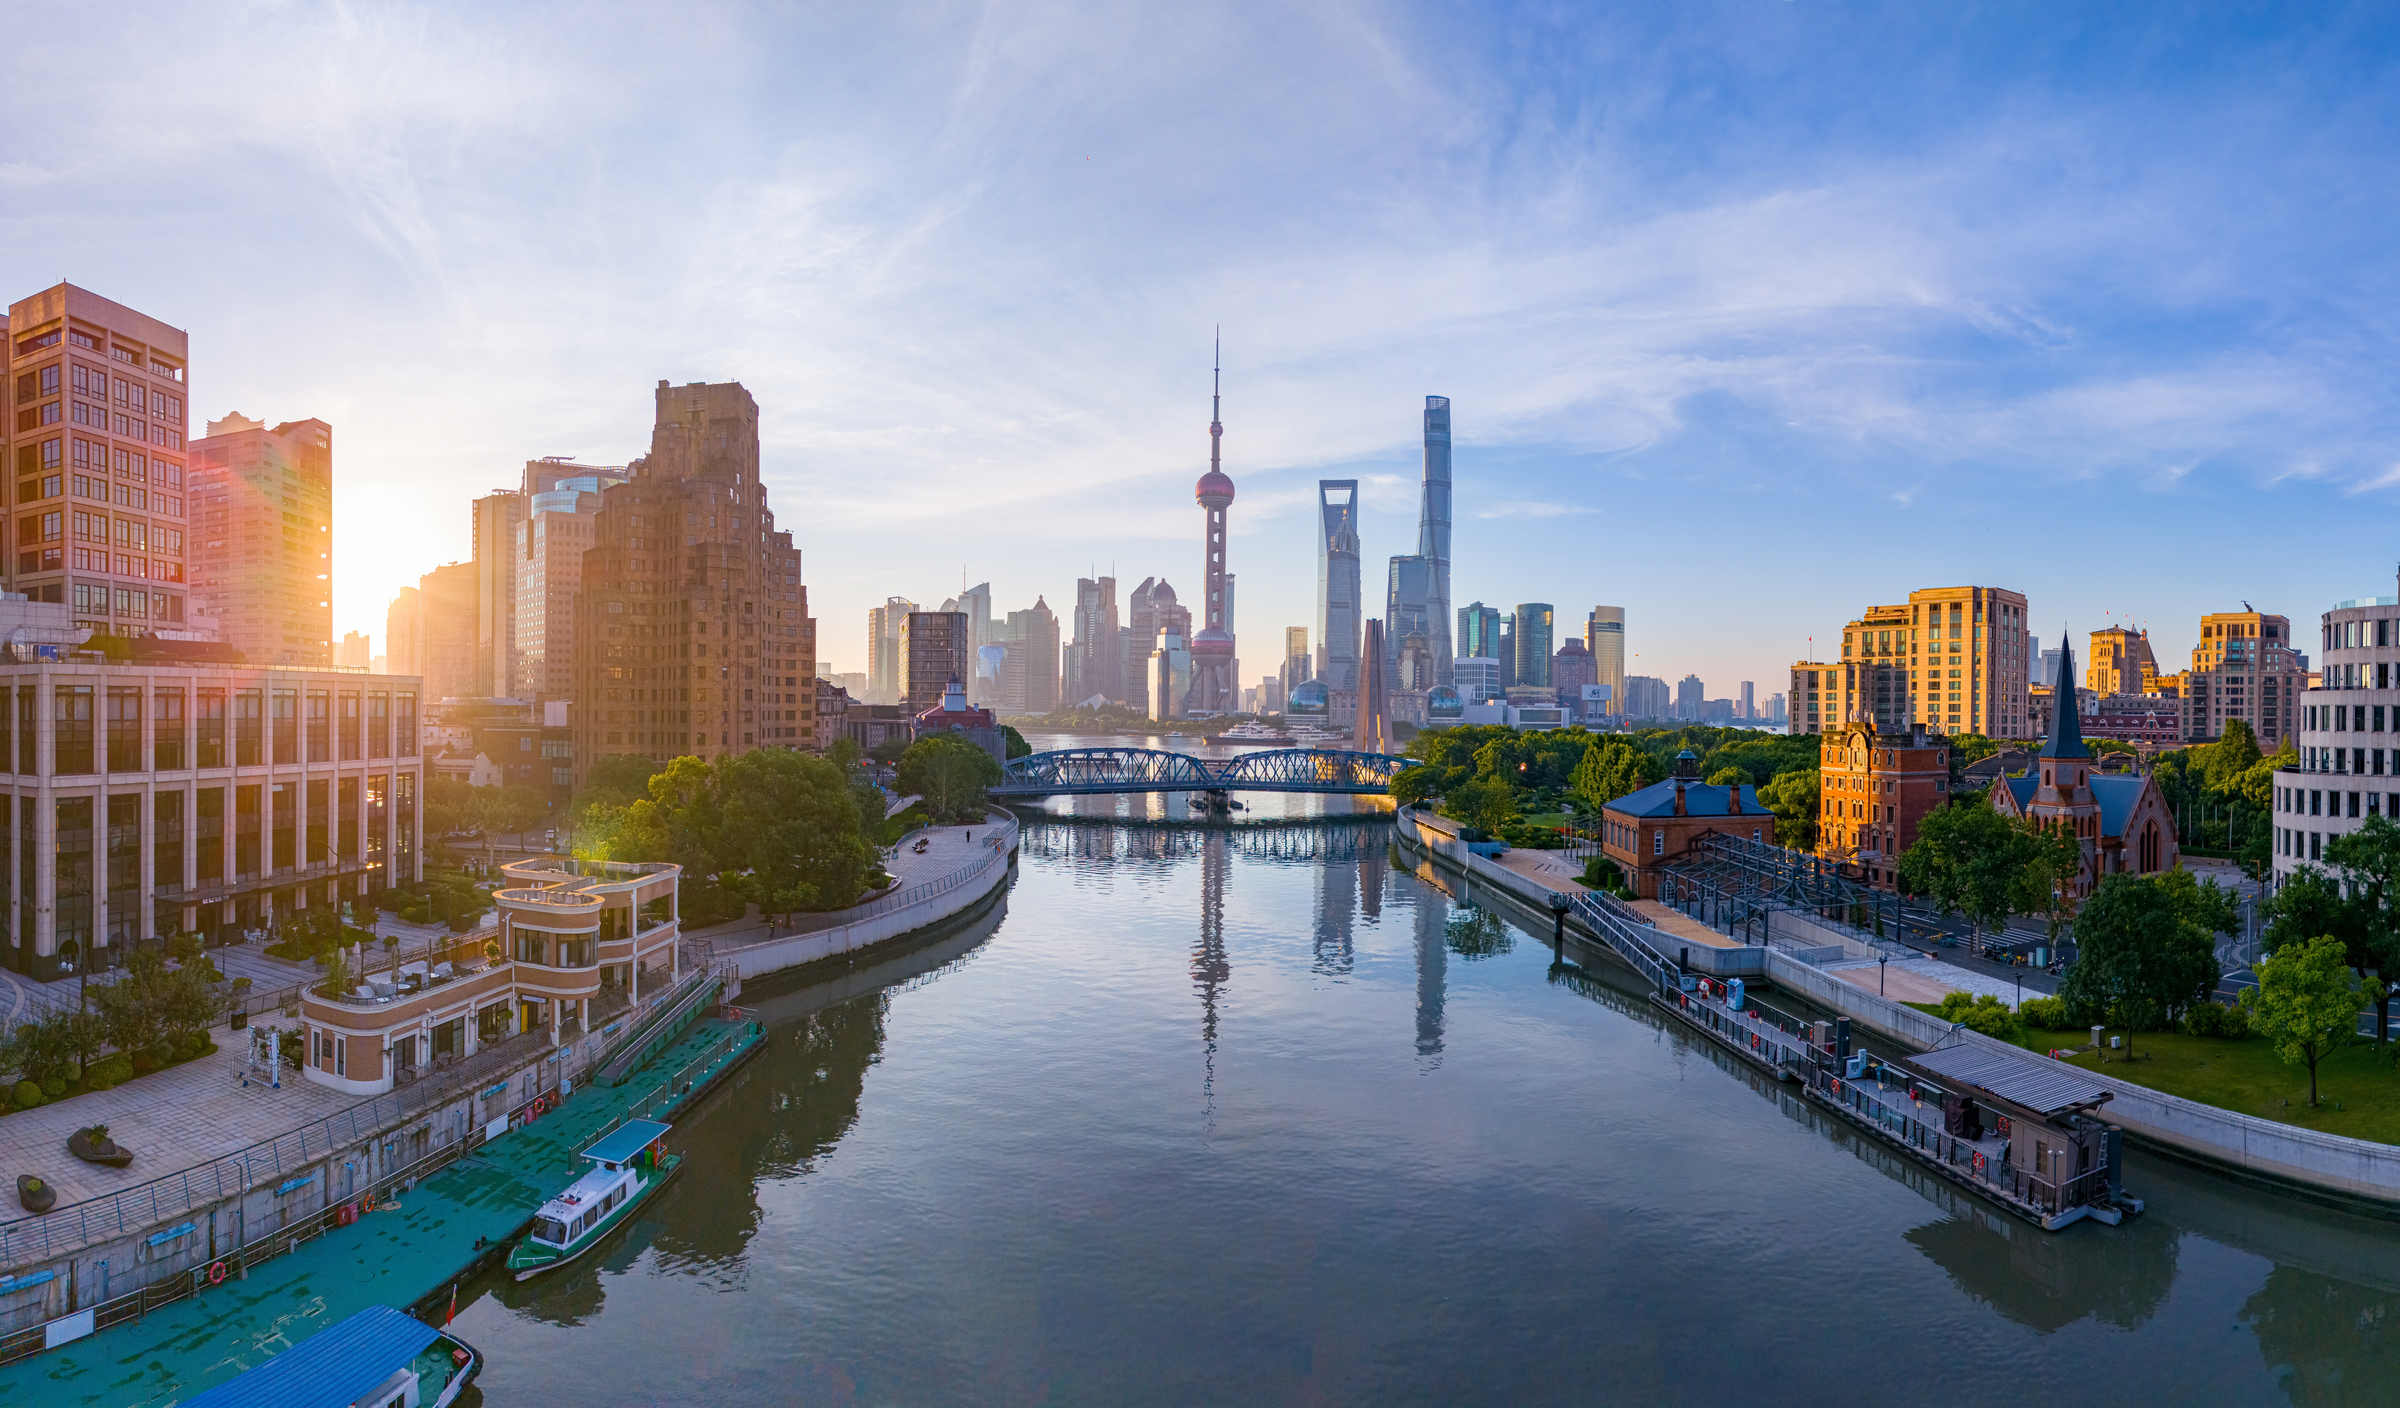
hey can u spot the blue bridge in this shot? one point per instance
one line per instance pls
(1086, 771)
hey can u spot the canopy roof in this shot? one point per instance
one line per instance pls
(2048, 1088)
(628, 1139)
(339, 1366)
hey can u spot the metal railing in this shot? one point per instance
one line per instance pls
(1607, 917)
(1989, 1172)
(148, 1204)
(622, 1056)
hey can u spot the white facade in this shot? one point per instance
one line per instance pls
(2349, 736)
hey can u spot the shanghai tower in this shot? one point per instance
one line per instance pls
(1433, 537)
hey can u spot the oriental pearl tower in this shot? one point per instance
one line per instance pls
(1214, 689)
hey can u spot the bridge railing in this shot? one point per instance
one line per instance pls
(1074, 770)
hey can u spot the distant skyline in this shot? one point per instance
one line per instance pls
(1752, 315)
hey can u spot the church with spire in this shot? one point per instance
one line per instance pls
(2122, 818)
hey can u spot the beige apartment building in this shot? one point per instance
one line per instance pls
(97, 440)
(261, 506)
(2120, 663)
(2244, 667)
(548, 559)
(1950, 658)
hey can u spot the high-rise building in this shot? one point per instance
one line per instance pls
(1478, 630)
(1299, 666)
(1337, 584)
(496, 520)
(976, 603)
(1952, 658)
(1216, 677)
(98, 445)
(2121, 663)
(1535, 620)
(1508, 651)
(883, 649)
(1407, 624)
(1029, 677)
(1745, 704)
(933, 654)
(1646, 697)
(354, 652)
(551, 544)
(262, 554)
(1096, 657)
(1570, 671)
(439, 632)
(1433, 535)
(1372, 733)
(1604, 636)
(2246, 667)
(692, 633)
(1169, 672)
(403, 652)
(1691, 698)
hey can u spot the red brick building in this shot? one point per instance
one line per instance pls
(1646, 831)
(1873, 790)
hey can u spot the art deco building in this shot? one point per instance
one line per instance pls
(2245, 667)
(692, 633)
(97, 440)
(1952, 658)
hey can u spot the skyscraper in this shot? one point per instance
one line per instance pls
(1406, 615)
(688, 541)
(976, 603)
(431, 630)
(1478, 631)
(263, 566)
(1746, 706)
(1604, 636)
(1337, 584)
(1372, 733)
(551, 542)
(353, 652)
(1029, 681)
(1096, 658)
(1299, 667)
(1433, 535)
(883, 649)
(496, 519)
(1215, 686)
(123, 446)
(1535, 622)
(933, 654)
(1691, 698)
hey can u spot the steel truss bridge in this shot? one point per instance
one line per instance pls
(1089, 771)
(1732, 885)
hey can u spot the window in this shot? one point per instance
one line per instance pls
(71, 749)
(1658, 843)
(166, 719)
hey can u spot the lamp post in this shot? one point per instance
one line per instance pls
(1880, 960)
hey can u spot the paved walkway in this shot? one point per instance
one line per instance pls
(1552, 870)
(948, 848)
(171, 1119)
(1927, 980)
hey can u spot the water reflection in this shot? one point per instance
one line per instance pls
(2330, 1342)
(1433, 971)
(1210, 970)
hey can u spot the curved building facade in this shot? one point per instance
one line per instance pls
(2349, 735)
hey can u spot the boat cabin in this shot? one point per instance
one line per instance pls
(378, 1358)
(620, 1160)
(2031, 1123)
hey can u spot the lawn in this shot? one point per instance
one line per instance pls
(2358, 1085)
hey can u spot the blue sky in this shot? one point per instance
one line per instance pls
(1754, 313)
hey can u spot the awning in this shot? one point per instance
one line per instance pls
(628, 1139)
(2050, 1088)
(339, 1366)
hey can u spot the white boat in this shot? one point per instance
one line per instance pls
(630, 1162)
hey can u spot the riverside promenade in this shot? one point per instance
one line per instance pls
(2355, 1174)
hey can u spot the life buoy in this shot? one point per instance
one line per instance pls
(216, 1273)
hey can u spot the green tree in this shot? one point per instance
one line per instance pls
(950, 773)
(1728, 777)
(2310, 904)
(793, 831)
(1796, 799)
(2306, 1002)
(1611, 769)
(1487, 804)
(2370, 860)
(2142, 957)
(1017, 746)
(1413, 785)
(133, 1008)
(1966, 860)
(2226, 761)
(2053, 866)
(617, 780)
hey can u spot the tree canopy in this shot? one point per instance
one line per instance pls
(2145, 952)
(1967, 861)
(2306, 1003)
(776, 827)
(950, 773)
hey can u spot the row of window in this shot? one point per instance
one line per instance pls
(2364, 762)
(220, 728)
(132, 603)
(2357, 635)
(27, 346)
(2348, 718)
(2314, 801)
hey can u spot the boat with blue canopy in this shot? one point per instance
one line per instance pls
(378, 1358)
(629, 1162)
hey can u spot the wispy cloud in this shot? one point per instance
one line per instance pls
(1530, 508)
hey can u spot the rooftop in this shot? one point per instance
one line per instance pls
(2049, 1088)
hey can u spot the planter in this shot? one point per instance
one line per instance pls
(241, 1019)
(34, 1195)
(93, 1146)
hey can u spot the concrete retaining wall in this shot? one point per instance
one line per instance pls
(923, 906)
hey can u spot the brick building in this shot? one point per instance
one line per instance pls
(2245, 667)
(1646, 831)
(1874, 789)
(2122, 818)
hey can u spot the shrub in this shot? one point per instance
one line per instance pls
(29, 1095)
(1985, 1013)
(1601, 873)
(2049, 1013)
(55, 1086)
(109, 1072)
(2215, 1019)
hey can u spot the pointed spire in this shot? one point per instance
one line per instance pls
(1216, 397)
(2066, 721)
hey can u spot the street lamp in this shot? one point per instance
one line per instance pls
(1880, 960)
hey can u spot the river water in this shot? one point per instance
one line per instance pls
(1212, 1116)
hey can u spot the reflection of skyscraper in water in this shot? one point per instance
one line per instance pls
(1373, 865)
(1433, 964)
(1209, 968)
(1337, 900)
